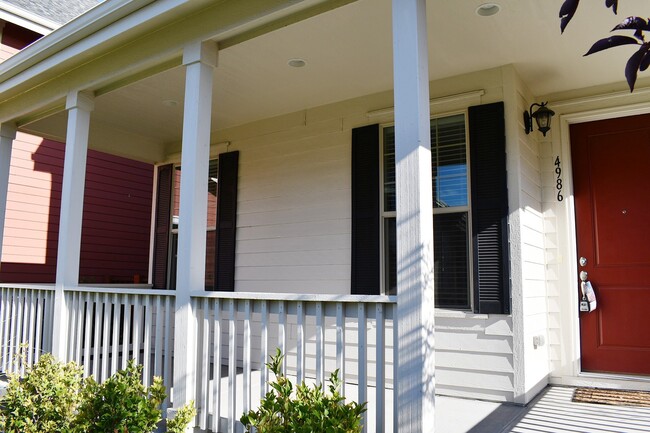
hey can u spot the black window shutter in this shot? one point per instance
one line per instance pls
(162, 225)
(365, 211)
(226, 222)
(489, 209)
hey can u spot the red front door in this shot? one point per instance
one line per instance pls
(611, 177)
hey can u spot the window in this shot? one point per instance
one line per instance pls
(221, 224)
(211, 221)
(450, 211)
(470, 210)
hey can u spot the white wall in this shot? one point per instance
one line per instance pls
(293, 226)
(529, 298)
(293, 222)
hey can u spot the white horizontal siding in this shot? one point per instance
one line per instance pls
(474, 357)
(553, 255)
(450, 339)
(313, 242)
(279, 273)
(483, 380)
(323, 257)
(321, 211)
(294, 230)
(529, 276)
(471, 361)
(490, 362)
(325, 287)
(297, 229)
(293, 222)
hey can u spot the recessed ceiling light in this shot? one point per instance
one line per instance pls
(296, 63)
(488, 9)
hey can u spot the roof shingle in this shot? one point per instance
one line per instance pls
(59, 11)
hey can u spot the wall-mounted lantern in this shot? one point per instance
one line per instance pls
(542, 116)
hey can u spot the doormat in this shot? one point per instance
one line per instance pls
(612, 397)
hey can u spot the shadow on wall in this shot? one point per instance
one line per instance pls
(116, 219)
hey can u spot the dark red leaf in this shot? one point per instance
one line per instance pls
(612, 4)
(567, 11)
(639, 35)
(633, 23)
(633, 65)
(645, 62)
(610, 42)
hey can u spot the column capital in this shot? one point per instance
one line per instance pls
(84, 100)
(206, 52)
(8, 130)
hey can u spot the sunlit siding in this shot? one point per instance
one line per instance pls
(116, 222)
(293, 234)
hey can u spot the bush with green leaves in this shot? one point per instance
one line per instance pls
(311, 409)
(182, 419)
(121, 404)
(44, 400)
(53, 398)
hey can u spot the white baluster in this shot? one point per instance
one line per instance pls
(380, 371)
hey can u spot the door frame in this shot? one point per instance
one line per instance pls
(572, 112)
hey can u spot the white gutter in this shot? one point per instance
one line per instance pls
(97, 18)
(26, 19)
(126, 26)
(92, 28)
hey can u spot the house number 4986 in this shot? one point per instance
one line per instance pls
(558, 179)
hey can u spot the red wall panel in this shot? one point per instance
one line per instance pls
(116, 220)
(18, 37)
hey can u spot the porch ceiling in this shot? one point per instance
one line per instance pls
(349, 54)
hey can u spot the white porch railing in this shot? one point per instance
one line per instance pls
(236, 334)
(25, 312)
(318, 334)
(109, 326)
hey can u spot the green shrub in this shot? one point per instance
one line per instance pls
(121, 404)
(45, 400)
(52, 398)
(183, 417)
(310, 410)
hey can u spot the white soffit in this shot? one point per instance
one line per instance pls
(348, 53)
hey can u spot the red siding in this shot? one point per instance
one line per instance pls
(18, 37)
(116, 220)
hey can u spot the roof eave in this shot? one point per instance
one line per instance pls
(74, 31)
(26, 19)
(120, 40)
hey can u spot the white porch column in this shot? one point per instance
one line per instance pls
(415, 304)
(79, 106)
(7, 135)
(199, 59)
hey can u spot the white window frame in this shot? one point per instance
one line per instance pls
(383, 214)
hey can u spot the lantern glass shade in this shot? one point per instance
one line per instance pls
(543, 118)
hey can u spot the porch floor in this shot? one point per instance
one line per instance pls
(552, 411)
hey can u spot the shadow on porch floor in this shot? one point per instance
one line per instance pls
(551, 412)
